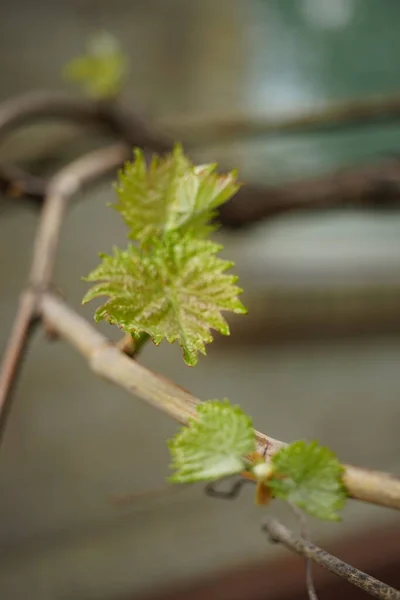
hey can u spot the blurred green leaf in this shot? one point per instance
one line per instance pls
(102, 69)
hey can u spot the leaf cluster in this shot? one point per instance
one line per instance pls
(170, 283)
(216, 445)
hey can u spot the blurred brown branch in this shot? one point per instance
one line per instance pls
(368, 186)
(326, 117)
(110, 116)
(15, 183)
(108, 361)
(59, 191)
(373, 185)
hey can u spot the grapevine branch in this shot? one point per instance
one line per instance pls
(111, 116)
(368, 185)
(279, 533)
(330, 116)
(16, 183)
(60, 189)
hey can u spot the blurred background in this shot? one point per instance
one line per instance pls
(317, 357)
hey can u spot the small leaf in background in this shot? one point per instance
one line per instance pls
(175, 290)
(309, 476)
(102, 69)
(213, 445)
(170, 194)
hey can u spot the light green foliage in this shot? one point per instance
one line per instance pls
(170, 194)
(175, 291)
(102, 69)
(309, 476)
(171, 285)
(213, 445)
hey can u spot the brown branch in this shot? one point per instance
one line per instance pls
(131, 128)
(49, 105)
(330, 116)
(109, 116)
(279, 533)
(107, 361)
(60, 189)
(305, 536)
(366, 186)
(66, 183)
(15, 183)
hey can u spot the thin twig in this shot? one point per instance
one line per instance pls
(305, 536)
(369, 186)
(66, 183)
(212, 489)
(15, 183)
(107, 361)
(60, 189)
(279, 533)
(110, 116)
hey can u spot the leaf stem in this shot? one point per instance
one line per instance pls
(132, 346)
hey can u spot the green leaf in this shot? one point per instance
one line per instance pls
(102, 69)
(170, 194)
(174, 290)
(213, 445)
(309, 476)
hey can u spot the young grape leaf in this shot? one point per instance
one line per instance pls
(102, 69)
(309, 476)
(170, 194)
(175, 290)
(213, 445)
